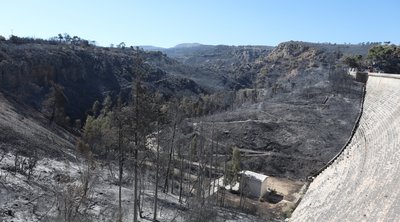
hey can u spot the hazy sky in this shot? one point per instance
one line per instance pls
(233, 22)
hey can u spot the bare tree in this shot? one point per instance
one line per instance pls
(118, 120)
(138, 62)
(142, 117)
(157, 167)
(210, 163)
(181, 174)
(160, 119)
(169, 175)
(74, 200)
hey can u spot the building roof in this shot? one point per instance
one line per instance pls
(254, 175)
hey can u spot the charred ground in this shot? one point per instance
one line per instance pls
(289, 108)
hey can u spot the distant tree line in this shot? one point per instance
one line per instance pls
(56, 40)
(385, 58)
(73, 40)
(65, 39)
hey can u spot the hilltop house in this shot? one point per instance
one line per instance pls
(253, 184)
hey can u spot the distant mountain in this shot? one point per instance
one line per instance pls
(151, 48)
(187, 45)
(162, 49)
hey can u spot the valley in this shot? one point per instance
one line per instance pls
(70, 108)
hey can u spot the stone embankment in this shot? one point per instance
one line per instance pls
(362, 184)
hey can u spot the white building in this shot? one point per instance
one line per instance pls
(253, 184)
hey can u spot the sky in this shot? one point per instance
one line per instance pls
(166, 23)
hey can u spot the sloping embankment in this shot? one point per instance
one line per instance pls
(363, 183)
(25, 130)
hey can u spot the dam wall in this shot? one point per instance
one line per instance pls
(363, 183)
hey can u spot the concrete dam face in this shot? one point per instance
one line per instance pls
(363, 184)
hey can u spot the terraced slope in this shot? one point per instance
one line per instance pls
(363, 184)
